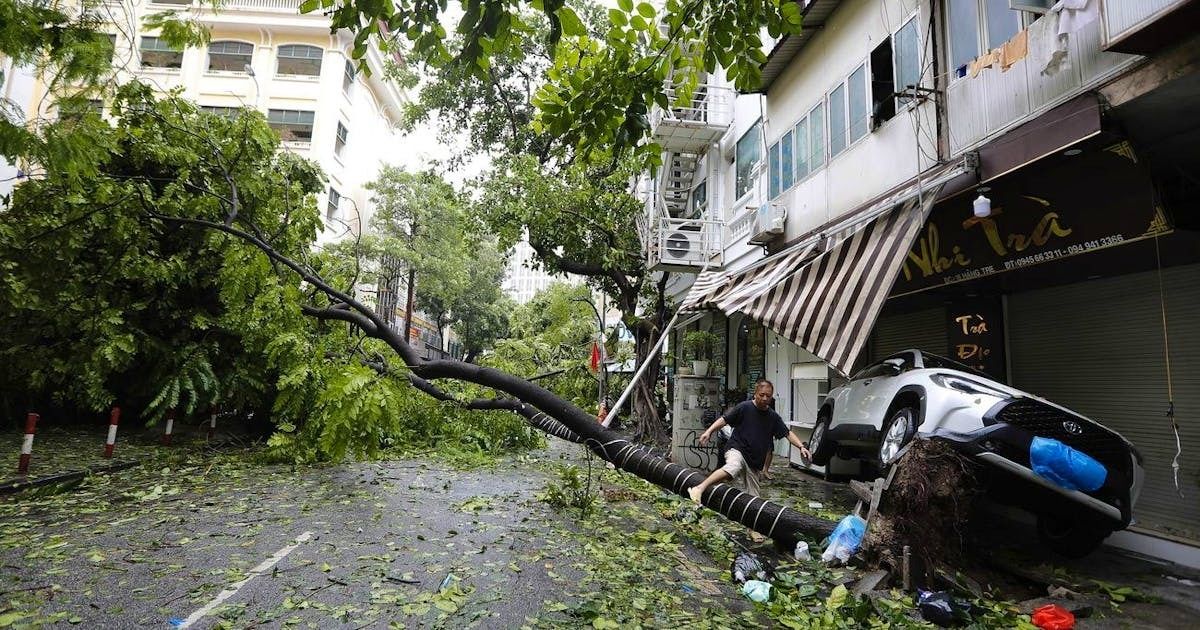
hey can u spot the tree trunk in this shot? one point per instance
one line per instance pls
(646, 423)
(408, 304)
(560, 418)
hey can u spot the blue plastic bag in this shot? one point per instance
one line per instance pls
(845, 539)
(1065, 466)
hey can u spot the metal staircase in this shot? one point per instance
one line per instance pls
(677, 182)
(677, 234)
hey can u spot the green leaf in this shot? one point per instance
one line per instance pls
(617, 17)
(645, 10)
(626, 5)
(310, 5)
(837, 597)
(572, 26)
(791, 13)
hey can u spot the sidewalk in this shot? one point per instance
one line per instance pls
(61, 450)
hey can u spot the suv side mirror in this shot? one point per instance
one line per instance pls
(897, 365)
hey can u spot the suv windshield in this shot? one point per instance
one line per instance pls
(937, 362)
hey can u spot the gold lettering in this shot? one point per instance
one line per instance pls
(966, 351)
(990, 230)
(930, 260)
(963, 320)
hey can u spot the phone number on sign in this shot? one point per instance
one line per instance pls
(1096, 244)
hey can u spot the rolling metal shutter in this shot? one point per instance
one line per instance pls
(1097, 348)
(922, 330)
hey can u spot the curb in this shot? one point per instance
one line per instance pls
(13, 487)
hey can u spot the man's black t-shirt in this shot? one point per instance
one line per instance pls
(754, 431)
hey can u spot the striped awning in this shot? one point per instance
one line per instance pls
(750, 283)
(828, 304)
(708, 285)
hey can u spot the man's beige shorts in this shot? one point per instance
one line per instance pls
(735, 465)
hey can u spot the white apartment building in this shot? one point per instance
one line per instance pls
(907, 163)
(265, 55)
(522, 280)
(16, 89)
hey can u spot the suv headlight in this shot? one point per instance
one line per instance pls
(966, 385)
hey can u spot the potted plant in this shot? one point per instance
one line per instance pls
(700, 344)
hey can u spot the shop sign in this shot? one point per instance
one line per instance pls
(976, 335)
(1090, 202)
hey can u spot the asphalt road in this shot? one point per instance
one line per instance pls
(226, 544)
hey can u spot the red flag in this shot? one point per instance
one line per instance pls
(595, 364)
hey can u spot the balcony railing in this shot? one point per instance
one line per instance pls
(280, 6)
(685, 245)
(697, 122)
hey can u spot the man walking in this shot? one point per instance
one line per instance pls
(755, 428)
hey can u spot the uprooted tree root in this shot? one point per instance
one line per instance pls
(926, 507)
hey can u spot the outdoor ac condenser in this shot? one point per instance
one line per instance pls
(768, 223)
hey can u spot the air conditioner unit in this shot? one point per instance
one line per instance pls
(768, 223)
(683, 247)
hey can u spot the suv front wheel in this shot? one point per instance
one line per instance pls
(819, 443)
(897, 433)
(1070, 537)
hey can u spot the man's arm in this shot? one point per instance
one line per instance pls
(795, 441)
(716, 426)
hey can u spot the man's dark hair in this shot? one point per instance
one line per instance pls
(762, 381)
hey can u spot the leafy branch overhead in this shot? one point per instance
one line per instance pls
(601, 84)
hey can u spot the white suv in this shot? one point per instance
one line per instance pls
(875, 414)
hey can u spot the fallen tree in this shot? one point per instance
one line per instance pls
(541, 407)
(175, 124)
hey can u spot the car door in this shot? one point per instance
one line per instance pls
(872, 391)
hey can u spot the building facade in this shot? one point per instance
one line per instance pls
(522, 280)
(265, 55)
(829, 219)
(16, 90)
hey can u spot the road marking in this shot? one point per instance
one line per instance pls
(232, 590)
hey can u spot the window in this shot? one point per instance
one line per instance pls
(816, 137)
(907, 58)
(348, 76)
(837, 120)
(340, 142)
(229, 56)
(787, 172)
(975, 21)
(298, 59)
(895, 66)
(774, 163)
(883, 83)
(159, 54)
(699, 200)
(74, 109)
(331, 206)
(748, 158)
(848, 114)
(860, 116)
(292, 125)
(801, 139)
(222, 111)
(111, 39)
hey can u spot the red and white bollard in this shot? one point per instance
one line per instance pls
(27, 446)
(166, 437)
(113, 419)
(212, 423)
